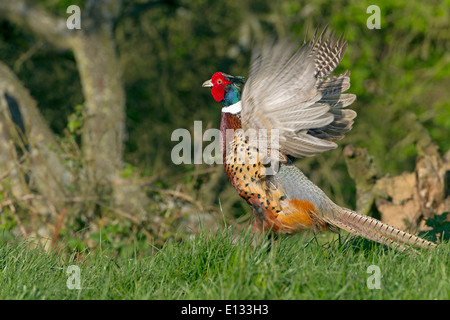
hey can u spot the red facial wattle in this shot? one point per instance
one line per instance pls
(219, 83)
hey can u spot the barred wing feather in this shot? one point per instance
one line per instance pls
(289, 90)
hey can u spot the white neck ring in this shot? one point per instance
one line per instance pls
(233, 109)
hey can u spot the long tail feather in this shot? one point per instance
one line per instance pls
(376, 230)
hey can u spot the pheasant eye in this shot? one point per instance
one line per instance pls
(219, 81)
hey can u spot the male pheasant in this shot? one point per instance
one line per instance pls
(290, 97)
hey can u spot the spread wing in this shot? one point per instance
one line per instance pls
(289, 90)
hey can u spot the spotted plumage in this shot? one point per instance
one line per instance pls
(244, 166)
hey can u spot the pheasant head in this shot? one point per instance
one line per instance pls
(225, 88)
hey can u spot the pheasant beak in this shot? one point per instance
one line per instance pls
(207, 84)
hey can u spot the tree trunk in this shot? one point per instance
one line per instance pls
(103, 130)
(105, 105)
(45, 164)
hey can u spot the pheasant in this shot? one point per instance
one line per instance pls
(291, 98)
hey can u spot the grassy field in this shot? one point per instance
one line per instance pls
(222, 267)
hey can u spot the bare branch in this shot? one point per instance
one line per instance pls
(8, 157)
(47, 26)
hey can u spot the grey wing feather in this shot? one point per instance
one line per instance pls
(289, 90)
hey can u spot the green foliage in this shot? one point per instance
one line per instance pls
(76, 120)
(59, 7)
(128, 171)
(7, 221)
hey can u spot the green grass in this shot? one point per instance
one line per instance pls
(221, 266)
